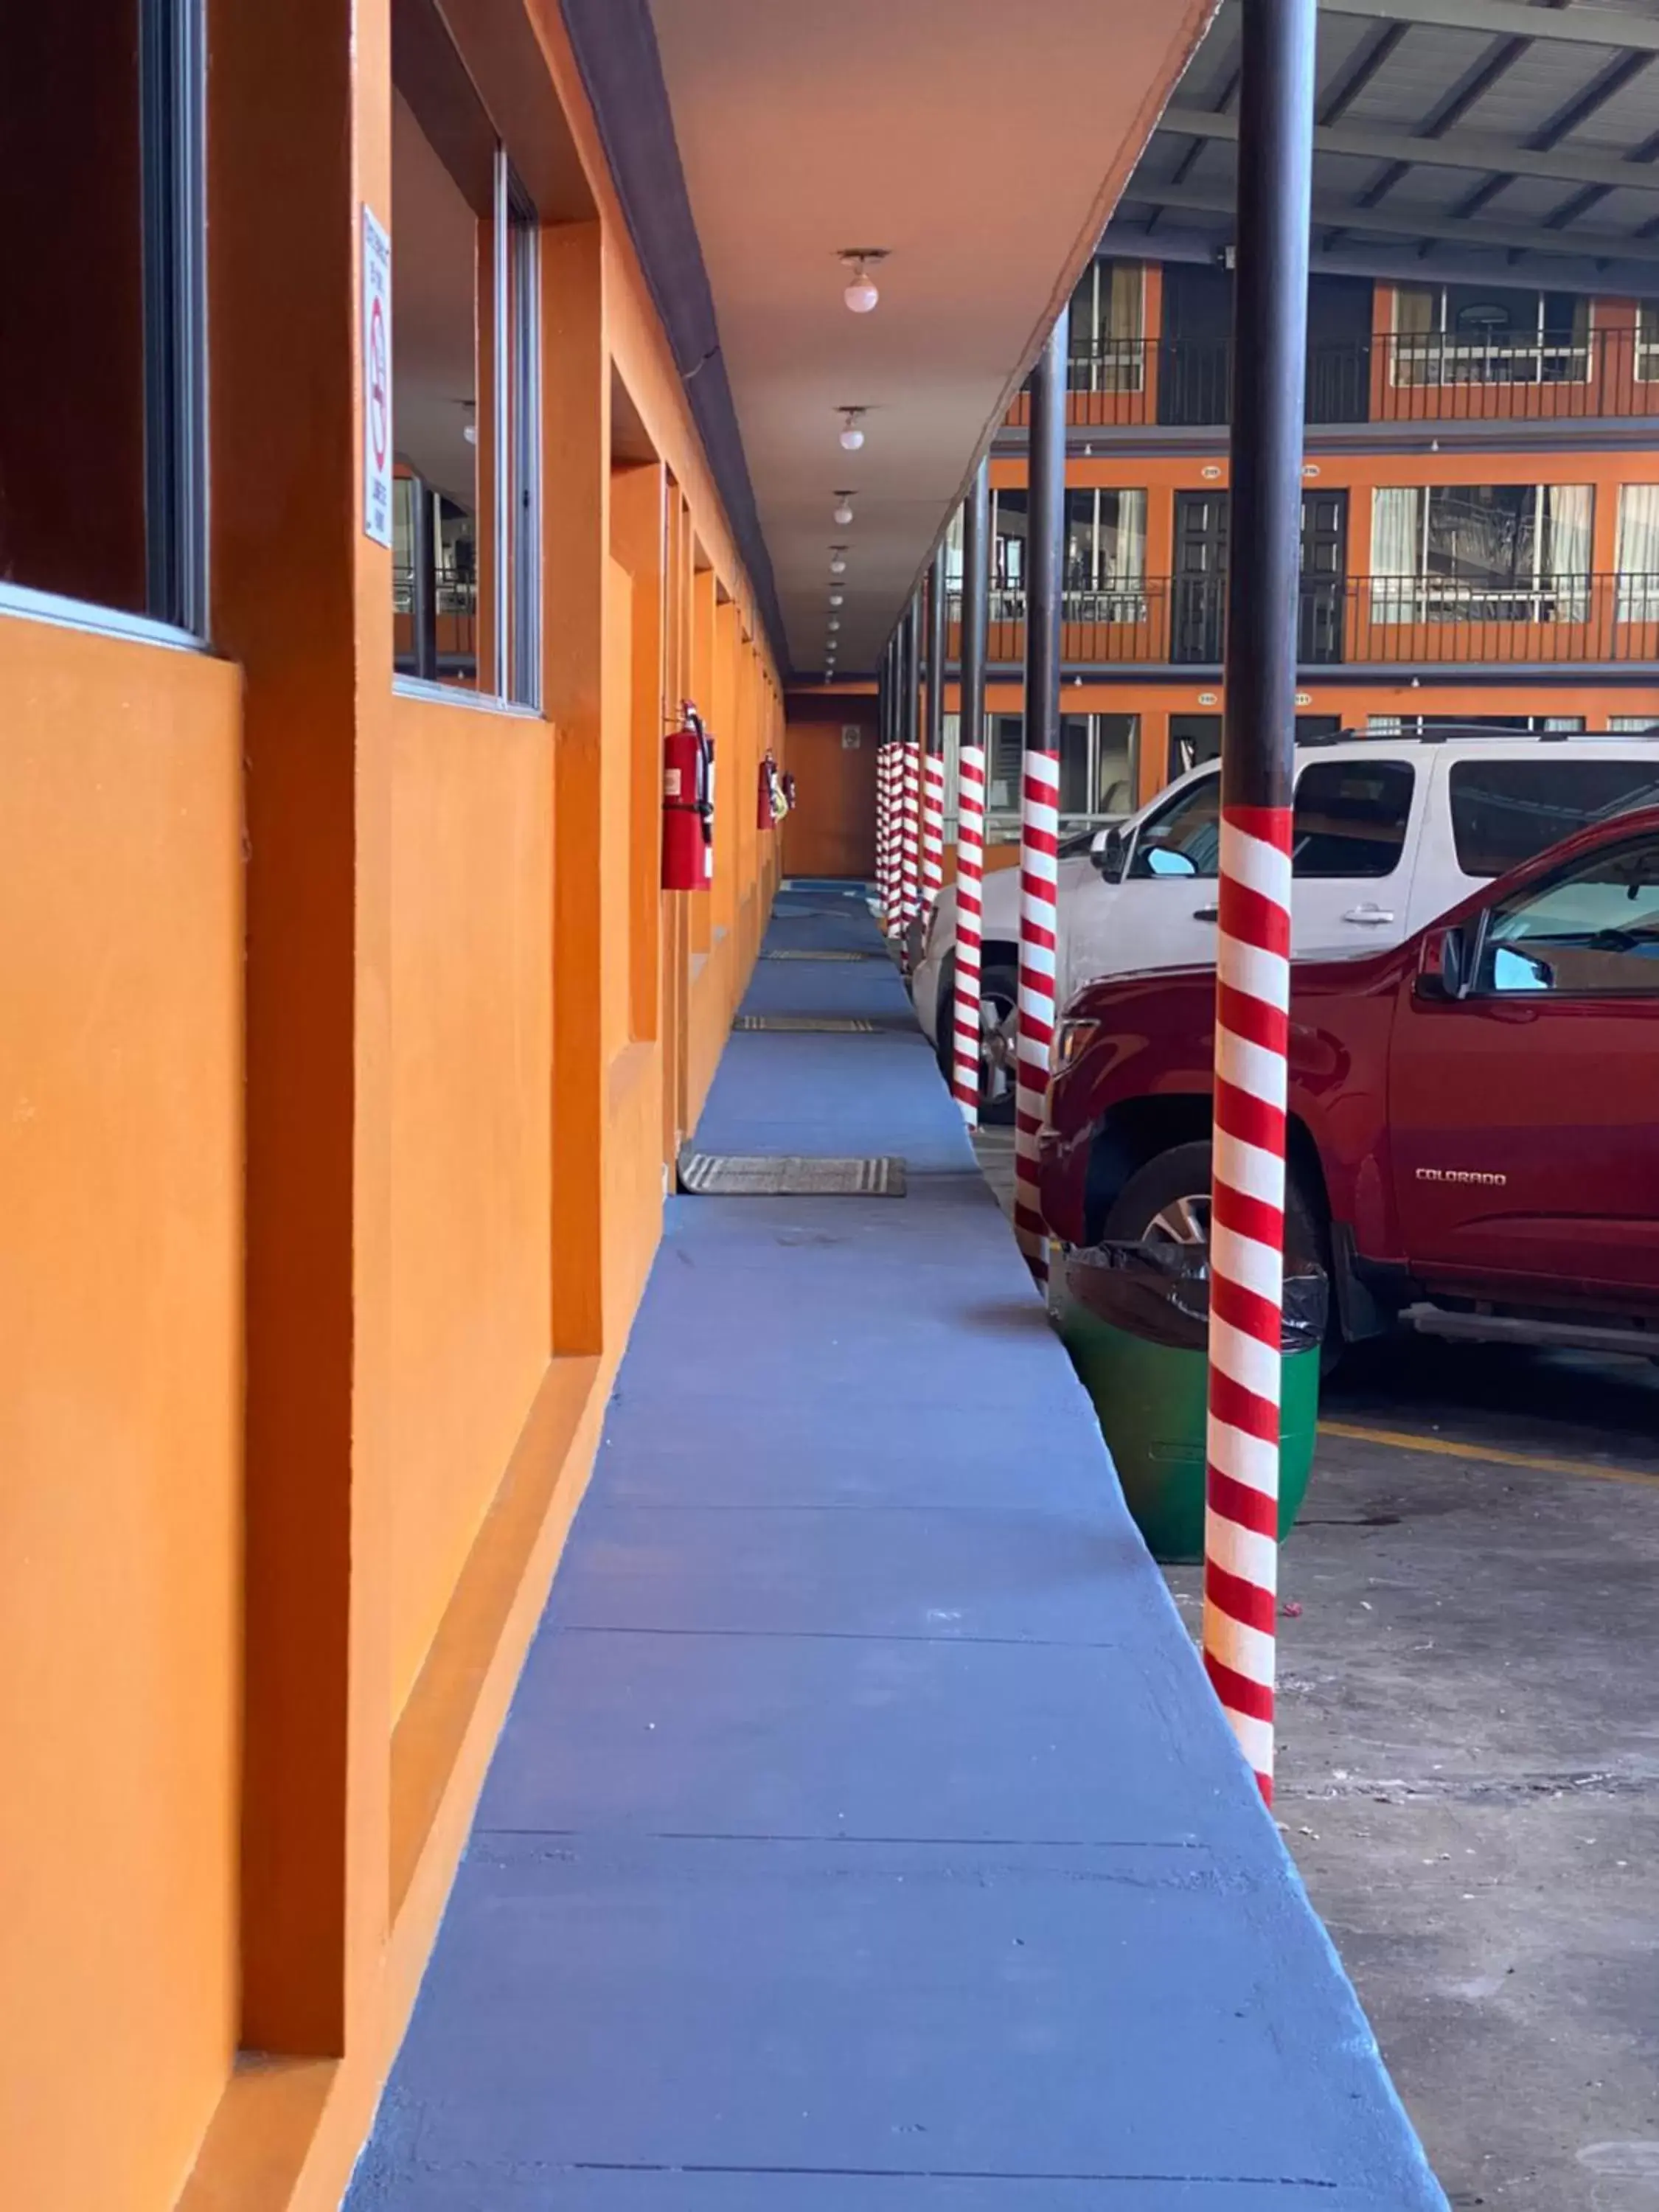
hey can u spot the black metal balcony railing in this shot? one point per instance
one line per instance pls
(1422, 377)
(1163, 620)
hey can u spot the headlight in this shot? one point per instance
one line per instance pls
(1071, 1039)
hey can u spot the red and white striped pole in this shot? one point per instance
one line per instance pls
(1253, 945)
(1039, 816)
(885, 896)
(967, 1043)
(909, 701)
(933, 758)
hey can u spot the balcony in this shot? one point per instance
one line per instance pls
(1429, 377)
(1166, 621)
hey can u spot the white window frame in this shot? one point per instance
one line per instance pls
(1112, 363)
(1426, 598)
(514, 525)
(1437, 363)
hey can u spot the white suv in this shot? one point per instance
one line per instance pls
(1389, 833)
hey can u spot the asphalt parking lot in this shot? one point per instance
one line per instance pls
(1469, 1758)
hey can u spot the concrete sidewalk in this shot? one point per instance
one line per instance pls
(864, 1834)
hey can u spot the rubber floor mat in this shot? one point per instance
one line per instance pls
(812, 955)
(833, 1024)
(790, 1175)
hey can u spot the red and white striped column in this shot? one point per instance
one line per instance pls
(883, 834)
(1253, 945)
(932, 830)
(1039, 844)
(967, 1039)
(1246, 1246)
(1039, 813)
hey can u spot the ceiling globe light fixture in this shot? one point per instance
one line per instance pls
(860, 293)
(837, 560)
(851, 436)
(843, 507)
(835, 622)
(836, 598)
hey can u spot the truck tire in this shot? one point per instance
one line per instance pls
(998, 995)
(1170, 1197)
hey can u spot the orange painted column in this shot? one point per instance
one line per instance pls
(303, 600)
(576, 439)
(638, 505)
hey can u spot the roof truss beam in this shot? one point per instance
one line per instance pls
(1511, 19)
(1458, 150)
(1511, 237)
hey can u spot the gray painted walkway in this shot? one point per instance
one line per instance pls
(864, 1838)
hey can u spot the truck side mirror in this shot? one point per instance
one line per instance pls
(1445, 970)
(1109, 854)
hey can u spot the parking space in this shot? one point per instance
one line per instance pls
(1469, 1750)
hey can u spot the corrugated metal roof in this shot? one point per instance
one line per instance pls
(1481, 90)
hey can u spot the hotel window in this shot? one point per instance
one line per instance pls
(1010, 512)
(1489, 334)
(466, 385)
(1107, 337)
(102, 359)
(1097, 768)
(1105, 562)
(1647, 341)
(1638, 555)
(1481, 553)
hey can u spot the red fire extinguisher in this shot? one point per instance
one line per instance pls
(688, 805)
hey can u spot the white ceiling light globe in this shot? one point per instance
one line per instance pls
(852, 437)
(861, 295)
(844, 513)
(838, 567)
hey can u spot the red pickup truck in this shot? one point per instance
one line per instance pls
(1474, 1132)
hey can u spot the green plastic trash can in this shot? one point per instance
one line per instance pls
(1135, 1319)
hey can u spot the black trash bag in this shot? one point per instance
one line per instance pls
(1161, 1293)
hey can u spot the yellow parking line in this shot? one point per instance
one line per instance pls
(1402, 1440)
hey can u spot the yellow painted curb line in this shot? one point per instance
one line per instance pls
(1402, 1440)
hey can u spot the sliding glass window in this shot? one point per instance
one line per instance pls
(465, 385)
(103, 493)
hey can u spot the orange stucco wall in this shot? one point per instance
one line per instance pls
(349, 1041)
(471, 1029)
(120, 1450)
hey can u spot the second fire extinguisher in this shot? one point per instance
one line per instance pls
(771, 806)
(688, 805)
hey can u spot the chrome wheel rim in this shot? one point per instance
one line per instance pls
(997, 1050)
(1182, 1221)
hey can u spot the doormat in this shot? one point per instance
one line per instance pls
(831, 1024)
(823, 956)
(789, 1174)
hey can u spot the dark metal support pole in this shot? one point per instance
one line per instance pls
(1039, 818)
(1045, 544)
(976, 573)
(1252, 936)
(1270, 346)
(935, 737)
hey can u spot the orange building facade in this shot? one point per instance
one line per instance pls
(1480, 520)
(349, 1044)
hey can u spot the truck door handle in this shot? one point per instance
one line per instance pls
(1371, 916)
(1207, 914)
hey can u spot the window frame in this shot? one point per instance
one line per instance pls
(1426, 356)
(173, 249)
(1486, 993)
(1387, 764)
(511, 529)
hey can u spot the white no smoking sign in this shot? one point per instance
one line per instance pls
(377, 382)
